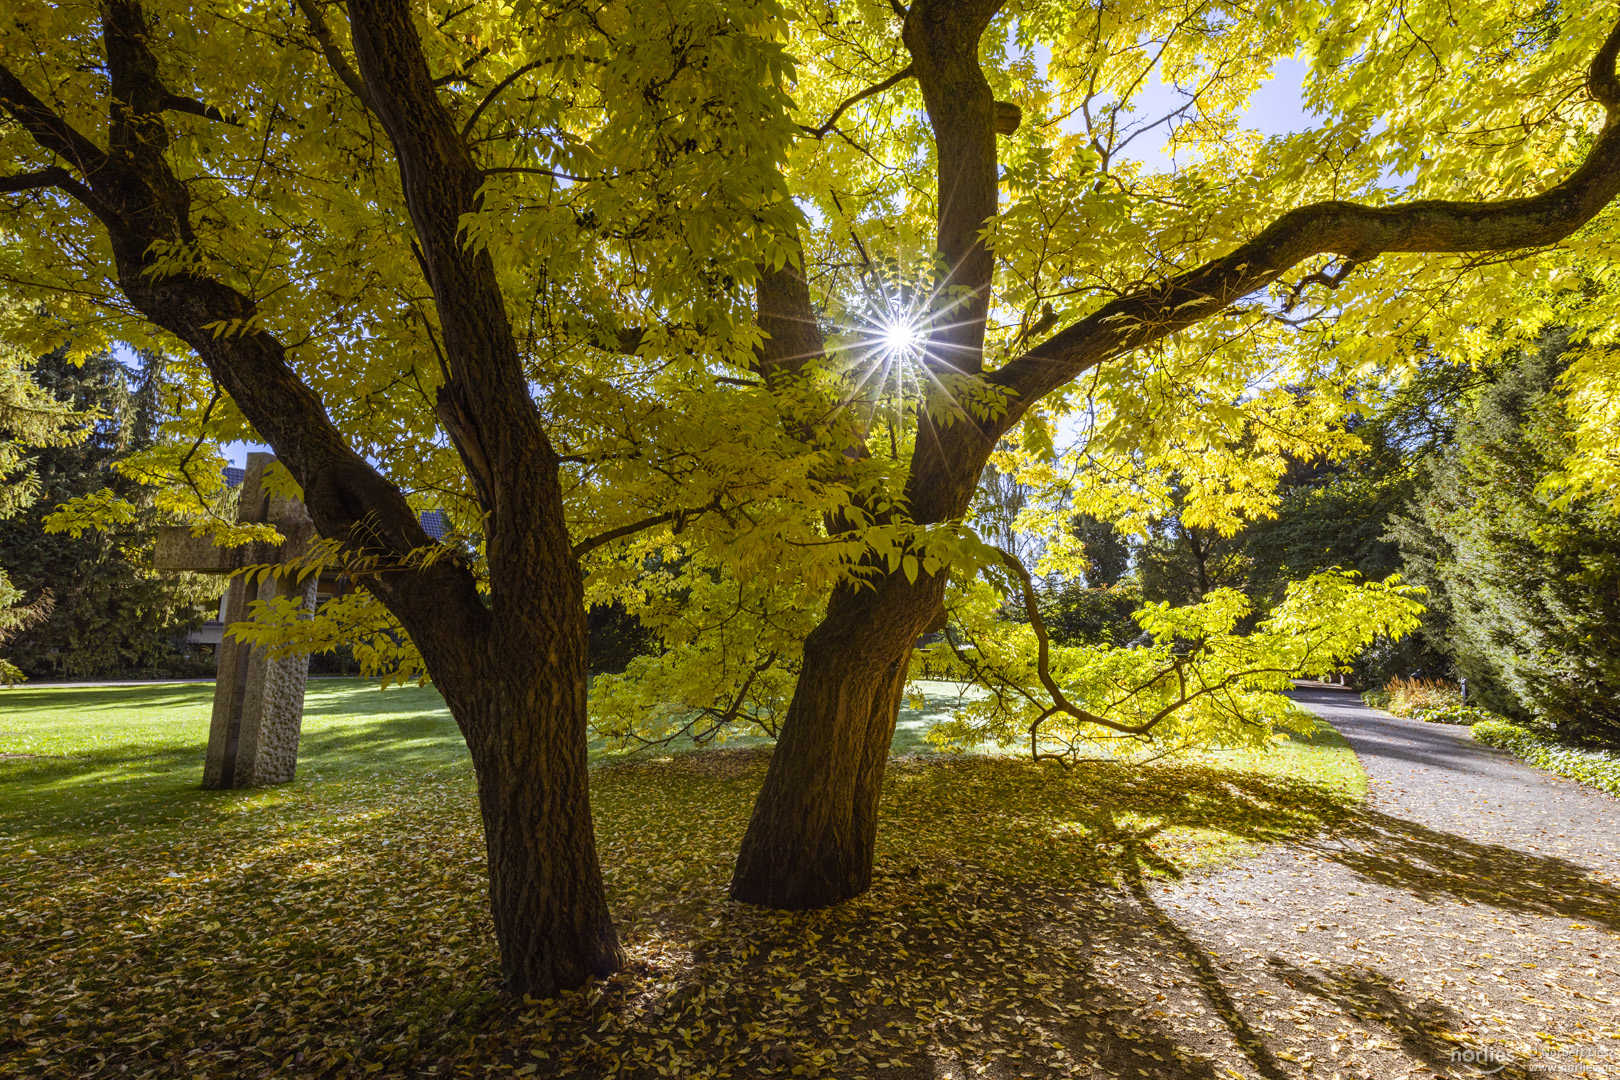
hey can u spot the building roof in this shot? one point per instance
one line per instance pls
(436, 523)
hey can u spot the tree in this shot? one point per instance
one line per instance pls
(111, 613)
(1184, 562)
(1108, 555)
(1154, 298)
(30, 419)
(1525, 589)
(610, 329)
(401, 250)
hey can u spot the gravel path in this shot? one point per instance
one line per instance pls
(1473, 905)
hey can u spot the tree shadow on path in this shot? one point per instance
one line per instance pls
(1430, 864)
(1425, 1029)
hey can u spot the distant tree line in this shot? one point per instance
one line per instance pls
(99, 609)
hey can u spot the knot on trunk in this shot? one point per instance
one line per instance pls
(1008, 117)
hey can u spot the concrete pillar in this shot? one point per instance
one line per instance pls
(258, 699)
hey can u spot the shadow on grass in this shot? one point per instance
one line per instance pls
(78, 701)
(143, 768)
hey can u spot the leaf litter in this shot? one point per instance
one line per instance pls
(1017, 926)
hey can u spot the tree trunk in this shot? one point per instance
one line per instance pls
(812, 836)
(523, 713)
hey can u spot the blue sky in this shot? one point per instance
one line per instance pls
(1277, 108)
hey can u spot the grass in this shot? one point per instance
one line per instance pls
(336, 926)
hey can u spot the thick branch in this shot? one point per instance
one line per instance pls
(497, 427)
(334, 55)
(55, 135)
(52, 176)
(136, 195)
(1355, 232)
(1603, 79)
(792, 334)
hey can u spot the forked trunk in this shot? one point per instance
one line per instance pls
(812, 836)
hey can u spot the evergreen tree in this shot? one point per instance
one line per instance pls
(29, 418)
(109, 613)
(1524, 595)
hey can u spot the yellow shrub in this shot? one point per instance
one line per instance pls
(1408, 697)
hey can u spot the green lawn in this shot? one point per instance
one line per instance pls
(336, 925)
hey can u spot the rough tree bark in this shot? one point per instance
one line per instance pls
(811, 838)
(512, 671)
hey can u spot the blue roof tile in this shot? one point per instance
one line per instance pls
(437, 523)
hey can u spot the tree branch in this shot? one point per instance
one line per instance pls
(1060, 703)
(496, 91)
(942, 36)
(52, 176)
(1602, 78)
(784, 312)
(461, 73)
(1329, 281)
(497, 170)
(500, 87)
(133, 190)
(334, 55)
(679, 517)
(49, 130)
(180, 104)
(497, 427)
(601, 539)
(1355, 232)
(877, 88)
